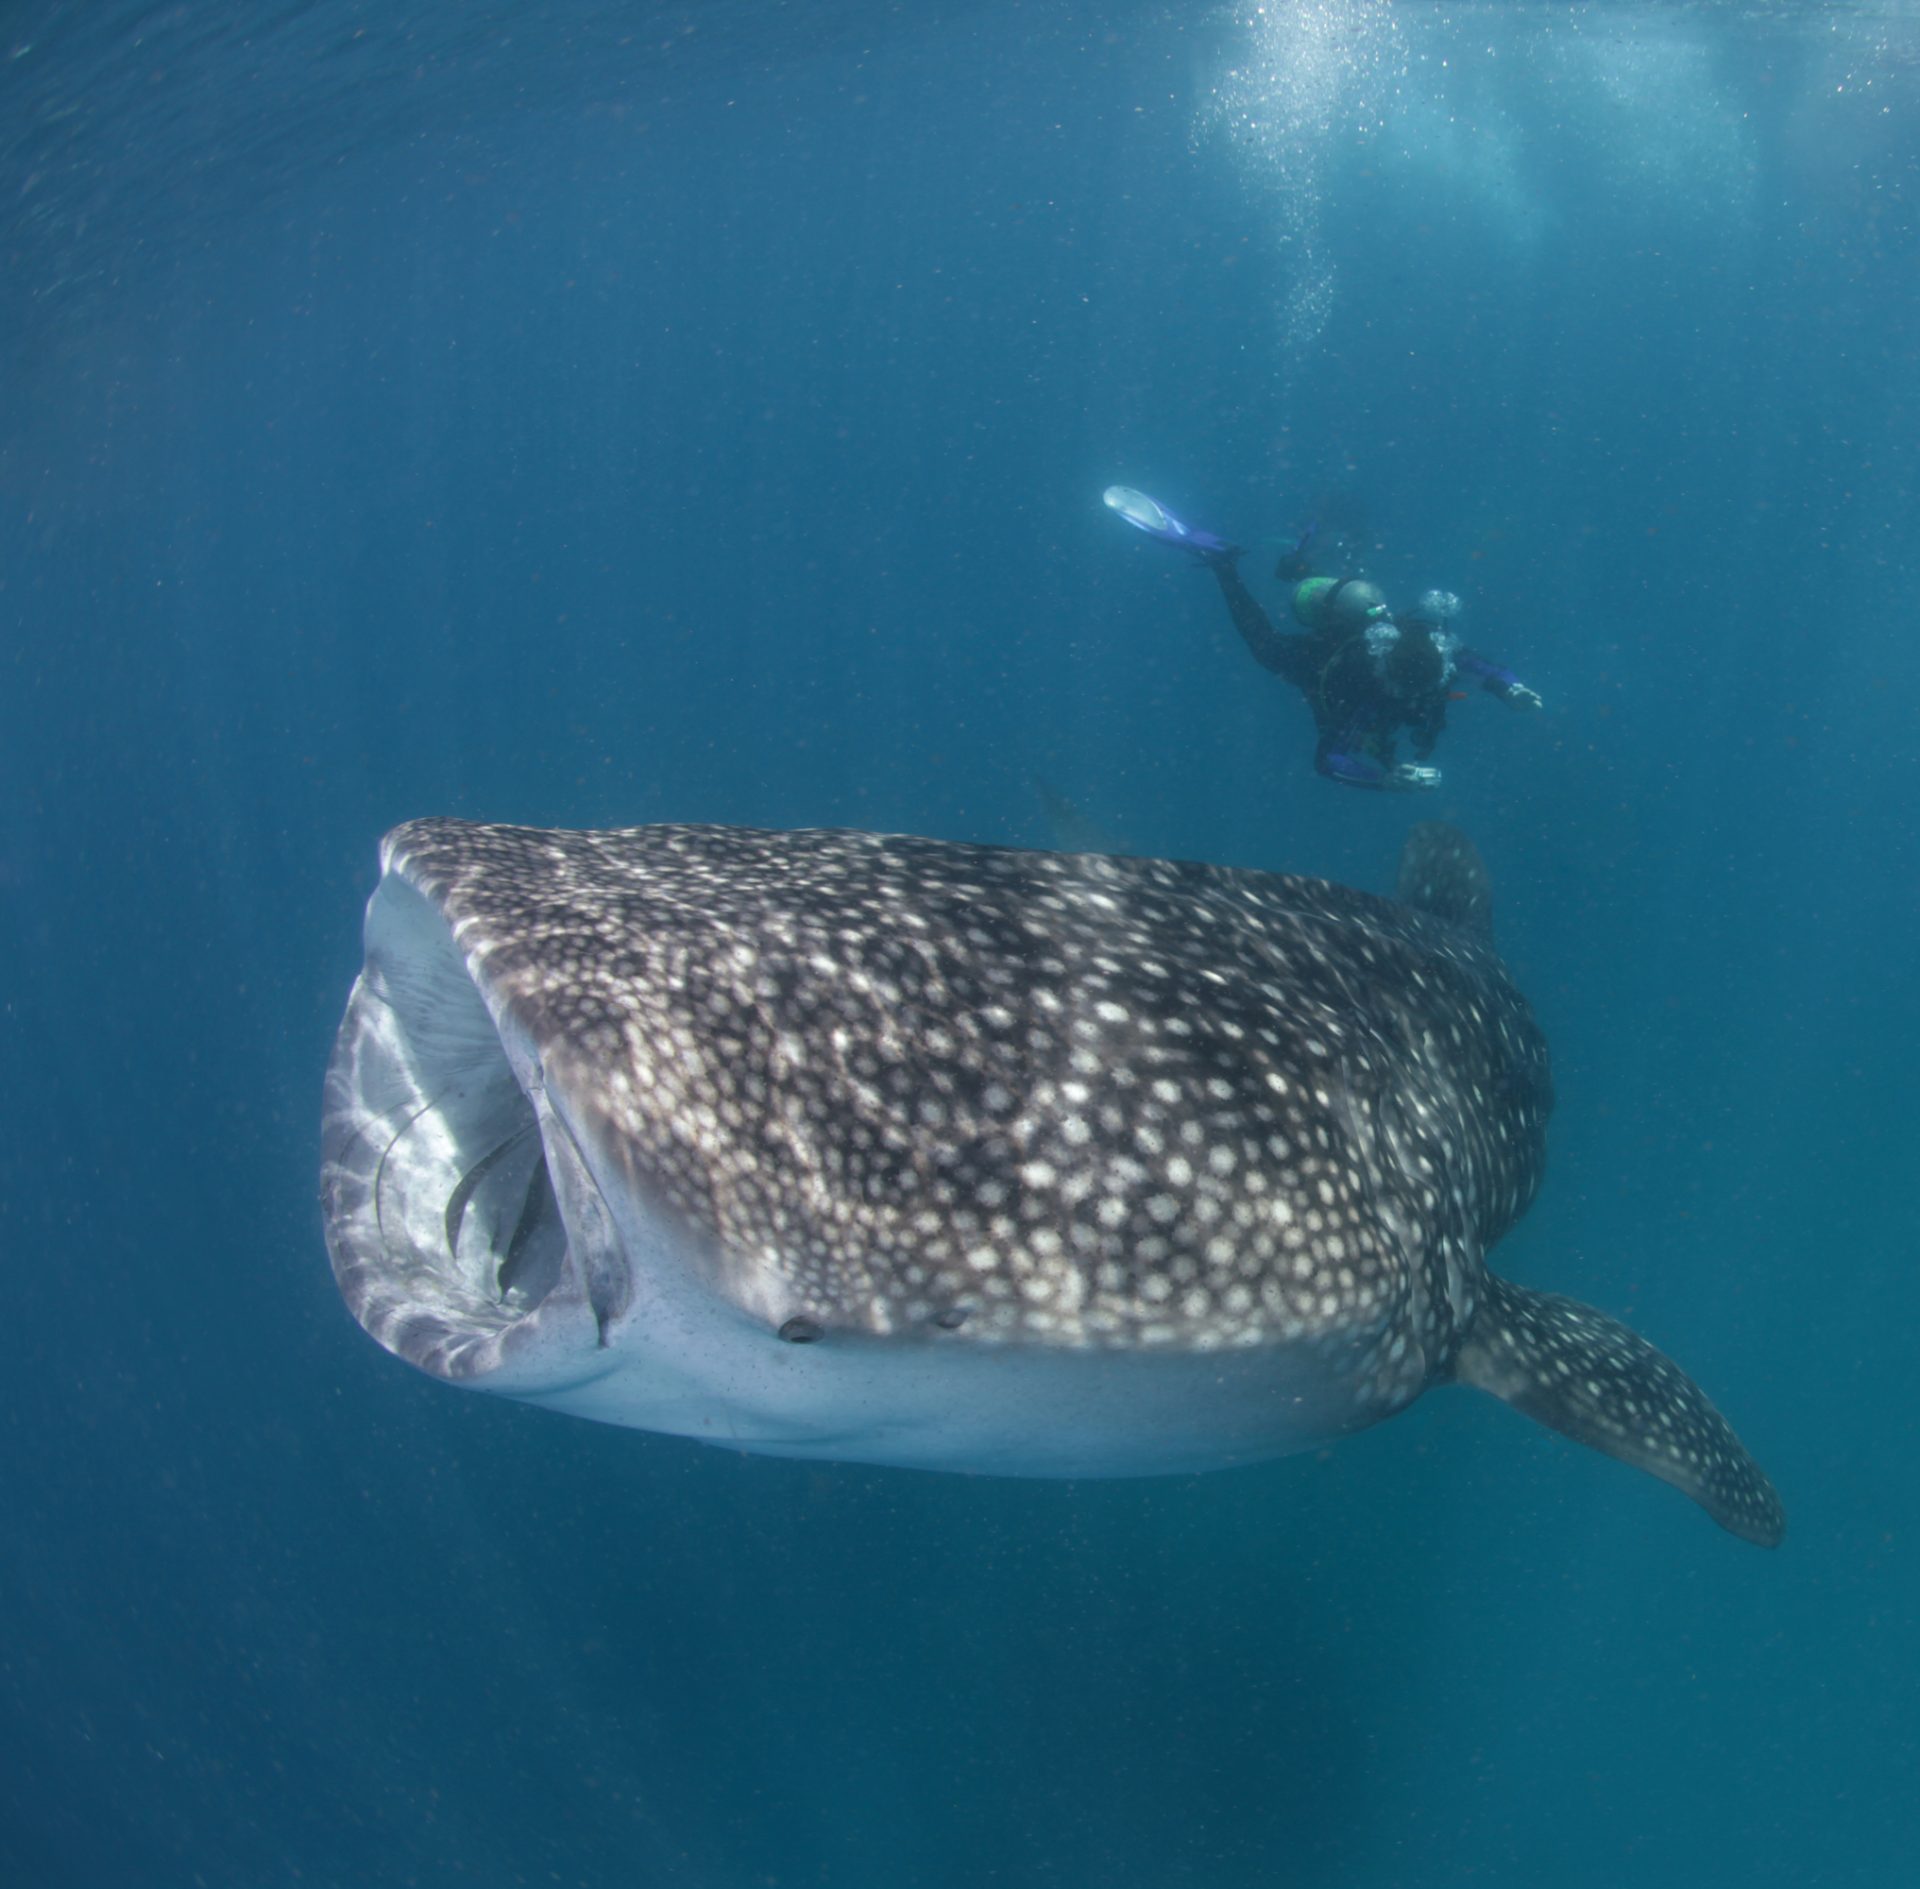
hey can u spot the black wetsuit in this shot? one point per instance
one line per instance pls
(1356, 715)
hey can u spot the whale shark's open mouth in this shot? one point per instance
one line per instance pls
(465, 1225)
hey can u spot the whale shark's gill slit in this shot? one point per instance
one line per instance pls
(531, 1266)
(462, 1184)
(379, 1188)
(463, 1192)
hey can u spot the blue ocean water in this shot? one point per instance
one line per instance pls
(591, 414)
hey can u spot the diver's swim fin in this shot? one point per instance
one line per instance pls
(1149, 515)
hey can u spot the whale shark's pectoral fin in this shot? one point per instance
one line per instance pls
(1582, 1373)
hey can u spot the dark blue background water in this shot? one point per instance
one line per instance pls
(593, 415)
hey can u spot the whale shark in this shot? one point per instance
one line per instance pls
(895, 1150)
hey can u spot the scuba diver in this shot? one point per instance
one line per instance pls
(1366, 673)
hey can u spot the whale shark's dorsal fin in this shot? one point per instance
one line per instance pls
(1069, 830)
(1443, 875)
(1586, 1375)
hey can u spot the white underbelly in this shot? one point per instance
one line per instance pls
(959, 1404)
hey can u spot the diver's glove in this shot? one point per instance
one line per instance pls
(1407, 775)
(1520, 696)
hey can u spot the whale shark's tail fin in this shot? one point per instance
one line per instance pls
(1582, 1373)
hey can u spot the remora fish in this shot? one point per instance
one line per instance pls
(835, 1144)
